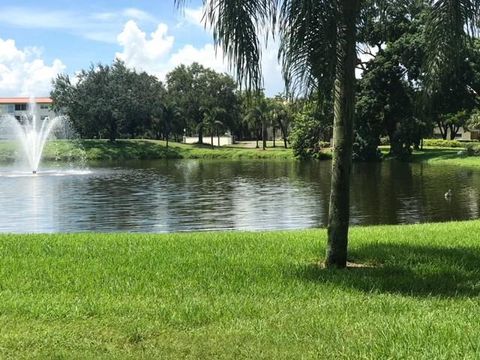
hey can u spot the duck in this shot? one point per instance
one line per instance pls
(448, 194)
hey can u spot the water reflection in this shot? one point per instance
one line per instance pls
(168, 196)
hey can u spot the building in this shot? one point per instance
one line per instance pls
(462, 134)
(18, 106)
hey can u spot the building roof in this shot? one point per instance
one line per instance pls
(25, 100)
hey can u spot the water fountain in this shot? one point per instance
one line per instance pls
(32, 133)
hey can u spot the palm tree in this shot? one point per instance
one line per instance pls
(318, 39)
(170, 113)
(253, 121)
(451, 26)
(211, 121)
(257, 117)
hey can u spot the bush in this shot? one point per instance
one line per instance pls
(306, 137)
(384, 141)
(472, 149)
(324, 145)
(443, 143)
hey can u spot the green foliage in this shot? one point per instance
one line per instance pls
(385, 105)
(310, 130)
(472, 149)
(196, 90)
(443, 143)
(473, 123)
(116, 102)
(247, 295)
(281, 114)
(452, 63)
(102, 150)
(108, 101)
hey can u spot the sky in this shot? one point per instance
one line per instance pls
(39, 40)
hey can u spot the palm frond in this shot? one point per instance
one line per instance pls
(307, 44)
(450, 26)
(238, 27)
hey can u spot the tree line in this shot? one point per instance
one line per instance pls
(115, 102)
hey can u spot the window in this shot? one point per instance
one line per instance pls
(20, 107)
(44, 106)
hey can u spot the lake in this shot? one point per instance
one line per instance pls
(198, 195)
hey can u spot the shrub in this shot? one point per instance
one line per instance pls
(443, 143)
(472, 149)
(306, 137)
(324, 145)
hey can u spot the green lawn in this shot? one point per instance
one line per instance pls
(442, 156)
(91, 150)
(103, 150)
(446, 156)
(242, 295)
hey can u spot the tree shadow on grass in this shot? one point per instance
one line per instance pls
(441, 154)
(406, 269)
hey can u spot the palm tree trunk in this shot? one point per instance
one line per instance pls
(274, 133)
(264, 136)
(344, 107)
(211, 139)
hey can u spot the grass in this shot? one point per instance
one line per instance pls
(441, 156)
(242, 295)
(142, 150)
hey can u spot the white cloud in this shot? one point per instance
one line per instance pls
(194, 16)
(137, 14)
(206, 56)
(142, 53)
(23, 72)
(154, 55)
(100, 26)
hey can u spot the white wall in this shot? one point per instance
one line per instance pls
(224, 140)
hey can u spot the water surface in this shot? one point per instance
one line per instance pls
(191, 195)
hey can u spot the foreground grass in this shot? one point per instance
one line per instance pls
(142, 150)
(242, 295)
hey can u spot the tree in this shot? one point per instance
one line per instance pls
(196, 88)
(258, 112)
(311, 59)
(450, 74)
(109, 101)
(311, 127)
(316, 37)
(253, 119)
(170, 114)
(212, 121)
(281, 114)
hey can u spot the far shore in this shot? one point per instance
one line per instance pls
(122, 150)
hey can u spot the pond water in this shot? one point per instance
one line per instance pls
(191, 195)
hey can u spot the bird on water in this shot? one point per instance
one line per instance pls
(448, 194)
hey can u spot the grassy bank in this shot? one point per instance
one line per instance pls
(242, 295)
(446, 156)
(142, 150)
(102, 150)
(441, 156)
